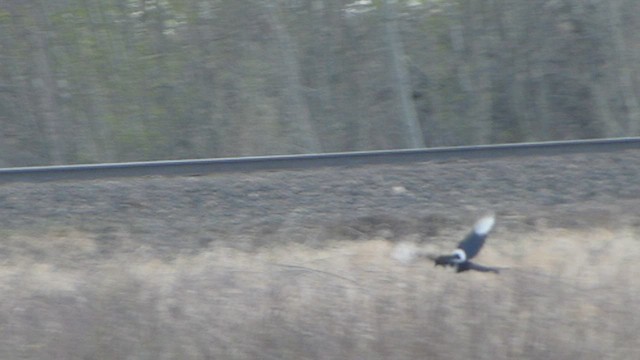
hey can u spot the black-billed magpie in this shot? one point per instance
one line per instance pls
(470, 247)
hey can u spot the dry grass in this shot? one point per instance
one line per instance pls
(569, 295)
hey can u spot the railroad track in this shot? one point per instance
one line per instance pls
(292, 162)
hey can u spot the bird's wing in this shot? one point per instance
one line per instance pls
(472, 244)
(476, 267)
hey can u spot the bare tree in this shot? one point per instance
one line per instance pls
(114, 80)
(44, 84)
(412, 135)
(623, 58)
(299, 130)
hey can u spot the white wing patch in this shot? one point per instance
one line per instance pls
(461, 256)
(484, 225)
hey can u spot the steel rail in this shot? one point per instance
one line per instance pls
(292, 162)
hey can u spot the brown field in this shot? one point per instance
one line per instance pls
(297, 265)
(570, 293)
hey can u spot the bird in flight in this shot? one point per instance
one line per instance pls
(469, 247)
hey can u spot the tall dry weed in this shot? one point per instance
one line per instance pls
(568, 294)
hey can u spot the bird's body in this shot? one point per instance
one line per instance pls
(469, 248)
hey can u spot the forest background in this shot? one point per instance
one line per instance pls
(85, 81)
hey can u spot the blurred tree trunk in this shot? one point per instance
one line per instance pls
(468, 30)
(407, 118)
(204, 136)
(319, 31)
(44, 83)
(607, 122)
(625, 65)
(18, 108)
(93, 101)
(296, 120)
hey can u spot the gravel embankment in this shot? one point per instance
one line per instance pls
(423, 200)
(156, 267)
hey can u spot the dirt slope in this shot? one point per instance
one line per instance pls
(297, 265)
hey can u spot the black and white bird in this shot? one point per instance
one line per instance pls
(469, 248)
